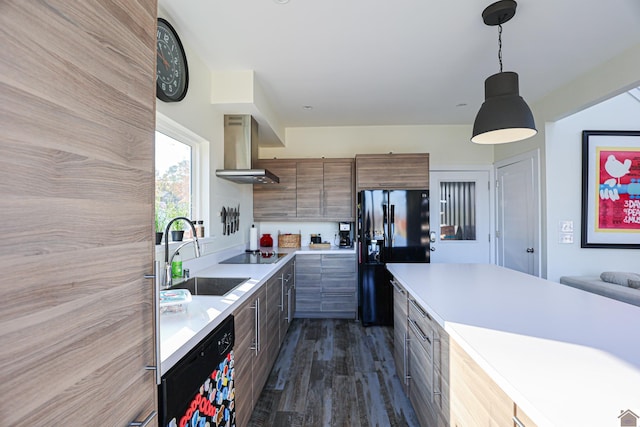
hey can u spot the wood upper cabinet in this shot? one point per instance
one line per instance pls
(78, 121)
(339, 200)
(392, 171)
(309, 189)
(276, 201)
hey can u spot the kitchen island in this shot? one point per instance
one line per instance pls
(562, 355)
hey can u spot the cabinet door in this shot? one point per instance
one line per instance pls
(308, 284)
(244, 353)
(475, 398)
(339, 284)
(338, 202)
(309, 189)
(286, 303)
(392, 171)
(262, 361)
(400, 339)
(276, 201)
(76, 322)
(271, 332)
(421, 372)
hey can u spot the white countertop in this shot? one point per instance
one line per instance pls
(180, 332)
(565, 356)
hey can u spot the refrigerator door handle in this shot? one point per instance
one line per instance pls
(392, 225)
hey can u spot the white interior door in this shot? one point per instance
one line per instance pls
(460, 217)
(517, 227)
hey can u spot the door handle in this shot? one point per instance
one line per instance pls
(432, 237)
(145, 422)
(432, 249)
(529, 250)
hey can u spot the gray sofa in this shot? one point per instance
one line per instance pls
(598, 286)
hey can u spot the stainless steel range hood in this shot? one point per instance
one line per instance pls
(240, 149)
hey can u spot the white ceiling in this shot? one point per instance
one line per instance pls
(400, 62)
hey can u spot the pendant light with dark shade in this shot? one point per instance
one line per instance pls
(504, 116)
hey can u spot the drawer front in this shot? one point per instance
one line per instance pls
(336, 301)
(308, 299)
(422, 325)
(308, 263)
(421, 384)
(338, 263)
(305, 280)
(339, 282)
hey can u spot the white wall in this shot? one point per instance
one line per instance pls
(564, 174)
(196, 113)
(446, 145)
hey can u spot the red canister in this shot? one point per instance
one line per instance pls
(266, 240)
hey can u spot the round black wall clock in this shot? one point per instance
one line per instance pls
(172, 74)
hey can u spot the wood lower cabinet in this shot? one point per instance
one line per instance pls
(400, 333)
(326, 286)
(308, 284)
(475, 398)
(446, 386)
(392, 171)
(244, 353)
(425, 388)
(309, 190)
(287, 298)
(258, 336)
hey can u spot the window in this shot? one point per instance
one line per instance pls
(457, 211)
(174, 165)
(182, 163)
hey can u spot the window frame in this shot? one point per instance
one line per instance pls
(199, 164)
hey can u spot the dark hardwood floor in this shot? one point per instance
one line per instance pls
(334, 372)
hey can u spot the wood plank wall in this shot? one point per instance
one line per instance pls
(77, 119)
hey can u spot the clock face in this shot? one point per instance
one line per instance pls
(172, 75)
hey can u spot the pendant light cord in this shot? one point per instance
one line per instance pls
(500, 45)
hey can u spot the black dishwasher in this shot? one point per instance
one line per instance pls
(199, 390)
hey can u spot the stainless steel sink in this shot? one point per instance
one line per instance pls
(216, 286)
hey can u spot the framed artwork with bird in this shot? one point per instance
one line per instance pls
(610, 189)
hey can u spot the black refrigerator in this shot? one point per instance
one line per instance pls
(393, 226)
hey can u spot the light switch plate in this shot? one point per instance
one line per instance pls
(566, 226)
(566, 238)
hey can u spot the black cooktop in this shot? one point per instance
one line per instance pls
(255, 258)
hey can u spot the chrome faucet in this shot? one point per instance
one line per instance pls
(167, 261)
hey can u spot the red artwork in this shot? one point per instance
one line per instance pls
(618, 198)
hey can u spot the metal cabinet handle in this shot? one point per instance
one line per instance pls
(518, 422)
(282, 280)
(420, 309)
(418, 331)
(256, 326)
(156, 320)
(405, 359)
(289, 295)
(435, 392)
(145, 422)
(396, 286)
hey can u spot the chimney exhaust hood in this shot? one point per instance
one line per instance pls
(240, 149)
